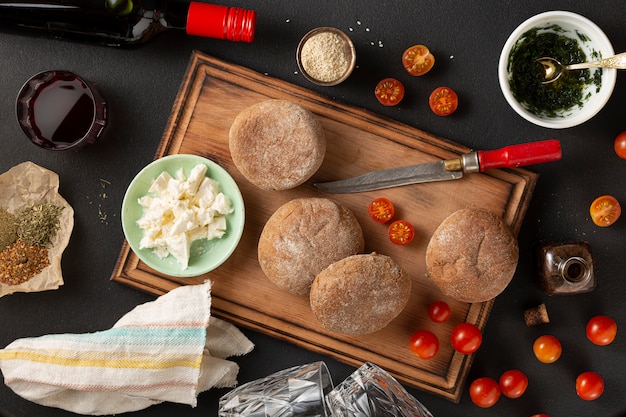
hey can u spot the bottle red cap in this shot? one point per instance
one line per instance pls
(221, 22)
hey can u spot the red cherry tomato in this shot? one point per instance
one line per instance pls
(540, 415)
(439, 311)
(417, 60)
(601, 330)
(381, 210)
(466, 338)
(424, 344)
(513, 383)
(401, 232)
(547, 348)
(443, 101)
(389, 92)
(620, 145)
(484, 392)
(589, 385)
(605, 210)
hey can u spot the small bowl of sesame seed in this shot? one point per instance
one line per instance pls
(326, 56)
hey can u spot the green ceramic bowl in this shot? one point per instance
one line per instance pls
(206, 255)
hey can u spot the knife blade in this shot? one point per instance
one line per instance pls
(512, 156)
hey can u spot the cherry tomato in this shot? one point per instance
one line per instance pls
(381, 210)
(589, 385)
(513, 383)
(466, 338)
(605, 210)
(620, 145)
(484, 392)
(389, 92)
(540, 415)
(439, 311)
(443, 101)
(417, 60)
(547, 348)
(401, 232)
(601, 330)
(424, 344)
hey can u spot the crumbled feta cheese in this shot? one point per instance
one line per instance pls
(180, 210)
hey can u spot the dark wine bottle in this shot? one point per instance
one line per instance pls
(125, 22)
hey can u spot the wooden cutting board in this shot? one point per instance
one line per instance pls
(212, 94)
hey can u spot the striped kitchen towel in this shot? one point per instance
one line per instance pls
(170, 349)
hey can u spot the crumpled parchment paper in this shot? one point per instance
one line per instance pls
(22, 186)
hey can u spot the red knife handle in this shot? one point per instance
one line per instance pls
(514, 156)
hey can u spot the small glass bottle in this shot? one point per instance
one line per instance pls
(566, 268)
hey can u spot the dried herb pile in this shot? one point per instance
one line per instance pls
(24, 238)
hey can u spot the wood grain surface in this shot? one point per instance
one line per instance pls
(212, 94)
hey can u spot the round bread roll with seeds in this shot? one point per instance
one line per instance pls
(472, 255)
(303, 237)
(277, 144)
(360, 294)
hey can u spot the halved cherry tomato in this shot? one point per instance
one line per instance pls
(513, 383)
(439, 311)
(620, 145)
(389, 92)
(401, 232)
(417, 60)
(601, 330)
(443, 101)
(484, 392)
(605, 210)
(381, 210)
(424, 344)
(589, 385)
(547, 348)
(466, 338)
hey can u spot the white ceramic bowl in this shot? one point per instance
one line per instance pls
(593, 42)
(206, 255)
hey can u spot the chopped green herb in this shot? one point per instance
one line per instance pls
(554, 99)
(8, 228)
(38, 224)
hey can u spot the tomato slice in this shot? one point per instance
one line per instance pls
(605, 210)
(389, 92)
(619, 145)
(424, 344)
(381, 210)
(443, 101)
(401, 232)
(417, 60)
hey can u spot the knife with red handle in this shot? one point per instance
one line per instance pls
(512, 156)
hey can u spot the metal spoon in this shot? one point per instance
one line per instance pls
(553, 69)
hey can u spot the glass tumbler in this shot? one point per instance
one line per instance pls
(297, 391)
(371, 392)
(58, 110)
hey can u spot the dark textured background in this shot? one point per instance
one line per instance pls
(141, 84)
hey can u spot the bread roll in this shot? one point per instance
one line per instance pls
(359, 294)
(472, 255)
(277, 144)
(303, 237)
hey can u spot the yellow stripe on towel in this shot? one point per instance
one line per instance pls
(92, 359)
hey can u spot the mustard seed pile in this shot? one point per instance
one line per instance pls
(24, 238)
(324, 57)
